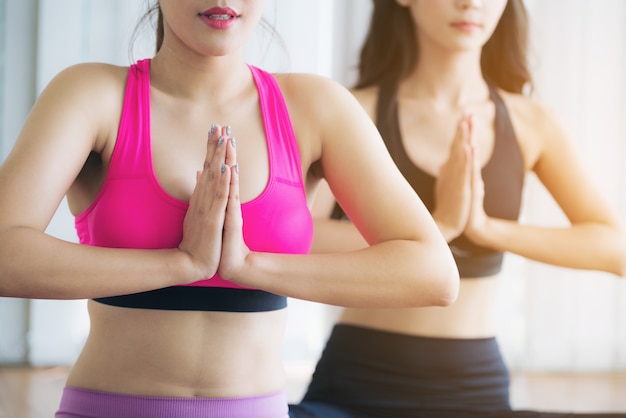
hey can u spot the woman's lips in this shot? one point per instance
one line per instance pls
(219, 17)
(465, 26)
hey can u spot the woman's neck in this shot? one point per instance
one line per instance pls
(192, 77)
(448, 79)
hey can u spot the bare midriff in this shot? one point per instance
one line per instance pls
(181, 353)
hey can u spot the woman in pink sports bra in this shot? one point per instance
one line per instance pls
(191, 240)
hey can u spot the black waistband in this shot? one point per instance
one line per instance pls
(188, 298)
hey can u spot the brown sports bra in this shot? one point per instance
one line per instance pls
(503, 176)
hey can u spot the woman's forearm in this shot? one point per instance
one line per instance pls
(36, 265)
(588, 246)
(391, 274)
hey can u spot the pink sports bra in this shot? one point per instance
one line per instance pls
(133, 211)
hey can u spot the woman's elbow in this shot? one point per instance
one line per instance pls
(444, 282)
(615, 263)
(448, 286)
(620, 263)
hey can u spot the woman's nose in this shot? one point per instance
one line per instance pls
(469, 4)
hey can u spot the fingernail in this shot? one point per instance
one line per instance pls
(233, 141)
(223, 167)
(213, 129)
(237, 168)
(228, 130)
(220, 141)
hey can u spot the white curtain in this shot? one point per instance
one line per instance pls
(18, 91)
(550, 318)
(554, 318)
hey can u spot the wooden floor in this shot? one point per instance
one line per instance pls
(30, 393)
(35, 392)
(569, 392)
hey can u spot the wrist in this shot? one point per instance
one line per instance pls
(482, 234)
(182, 269)
(241, 274)
(449, 230)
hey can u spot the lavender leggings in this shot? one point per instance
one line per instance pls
(83, 403)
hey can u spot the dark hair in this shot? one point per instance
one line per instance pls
(160, 32)
(154, 9)
(390, 51)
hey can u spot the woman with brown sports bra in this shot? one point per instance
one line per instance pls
(445, 81)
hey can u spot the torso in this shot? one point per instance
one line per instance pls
(183, 353)
(473, 313)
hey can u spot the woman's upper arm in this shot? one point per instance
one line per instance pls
(64, 125)
(561, 169)
(324, 200)
(359, 170)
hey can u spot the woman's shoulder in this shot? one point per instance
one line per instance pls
(313, 85)
(92, 76)
(93, 82)
(88, 92)
(316, 95)
(535, 123)
(325, 94)
(92, 73)
(528, 110)
(368, 97)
